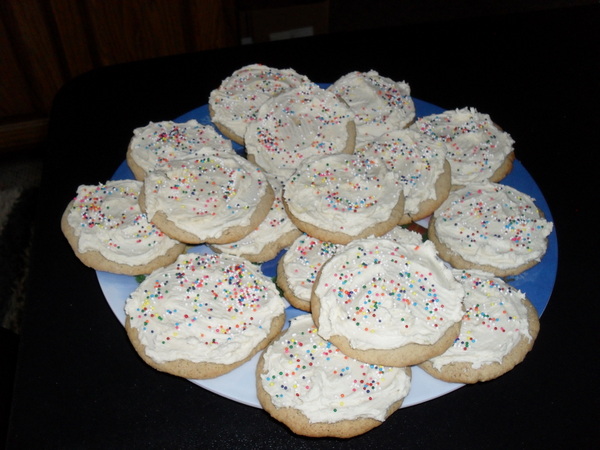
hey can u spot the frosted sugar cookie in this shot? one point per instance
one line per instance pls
(491, 227)
(296, 124)
(297, 269)
(156, 145)
(387, 303)
(107, 230)
(478, 150)
(234, 103)
(315, 390)
(498, 330)
(339, 198)
(421, 165)
(380, 104)
(217, 198)
(273, 234)
(203, 315)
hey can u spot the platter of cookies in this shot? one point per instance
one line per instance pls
(330, 253)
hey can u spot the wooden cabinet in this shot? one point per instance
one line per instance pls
(45, 43)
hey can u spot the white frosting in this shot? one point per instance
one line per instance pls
(379, 103)
(296, 124)
(302, 262)
(204, 308)
(276, 224)
(404, 236)
(307, 254)
(156, 145)
(343, 193)
(495, 321)
(204, 197)
(305, 372)
(417, 159)
(492, 224)
(381, 294)
(476, 146)
(107, 218)
(235, 102)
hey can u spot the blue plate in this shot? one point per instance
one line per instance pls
(239, 385)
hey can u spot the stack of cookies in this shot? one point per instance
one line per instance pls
(334, 176)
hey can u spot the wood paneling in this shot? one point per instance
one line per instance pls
(45, 43)
(73, 39)
(14, 98)
(136, 29)
(33, 44)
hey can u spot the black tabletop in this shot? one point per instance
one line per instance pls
(80, 384)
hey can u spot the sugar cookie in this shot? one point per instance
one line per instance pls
(387, 303)
(478, 150)
(491, 227)
(309, 385)
(218, 198)
(107, 230)
(203, 315)
(498, 329)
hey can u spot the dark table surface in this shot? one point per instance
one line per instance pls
(79, 383)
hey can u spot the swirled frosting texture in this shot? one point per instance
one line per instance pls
(107, 218)
(206, 195)
(302, 262)
(343, 193)
(296, 124)
(204, 308)
(380, 294)
(307, 254)
(417, 159)
(476, 146)
(235, 102)
(492, 224)
(494, 322)
(305, 372)
(379, 103)
(156, 145)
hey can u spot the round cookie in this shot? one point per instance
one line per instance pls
(478, 150)
(108, 232)
(299, 123)
(297, 269)
(490, 227)
(203, 315)
(218, 198)
(380, 104)
(498, 330)
(273, 234)
(387, 303)
(233, 105)
(156, 145)
(339, 198)
(310, 386)
(421, 165)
